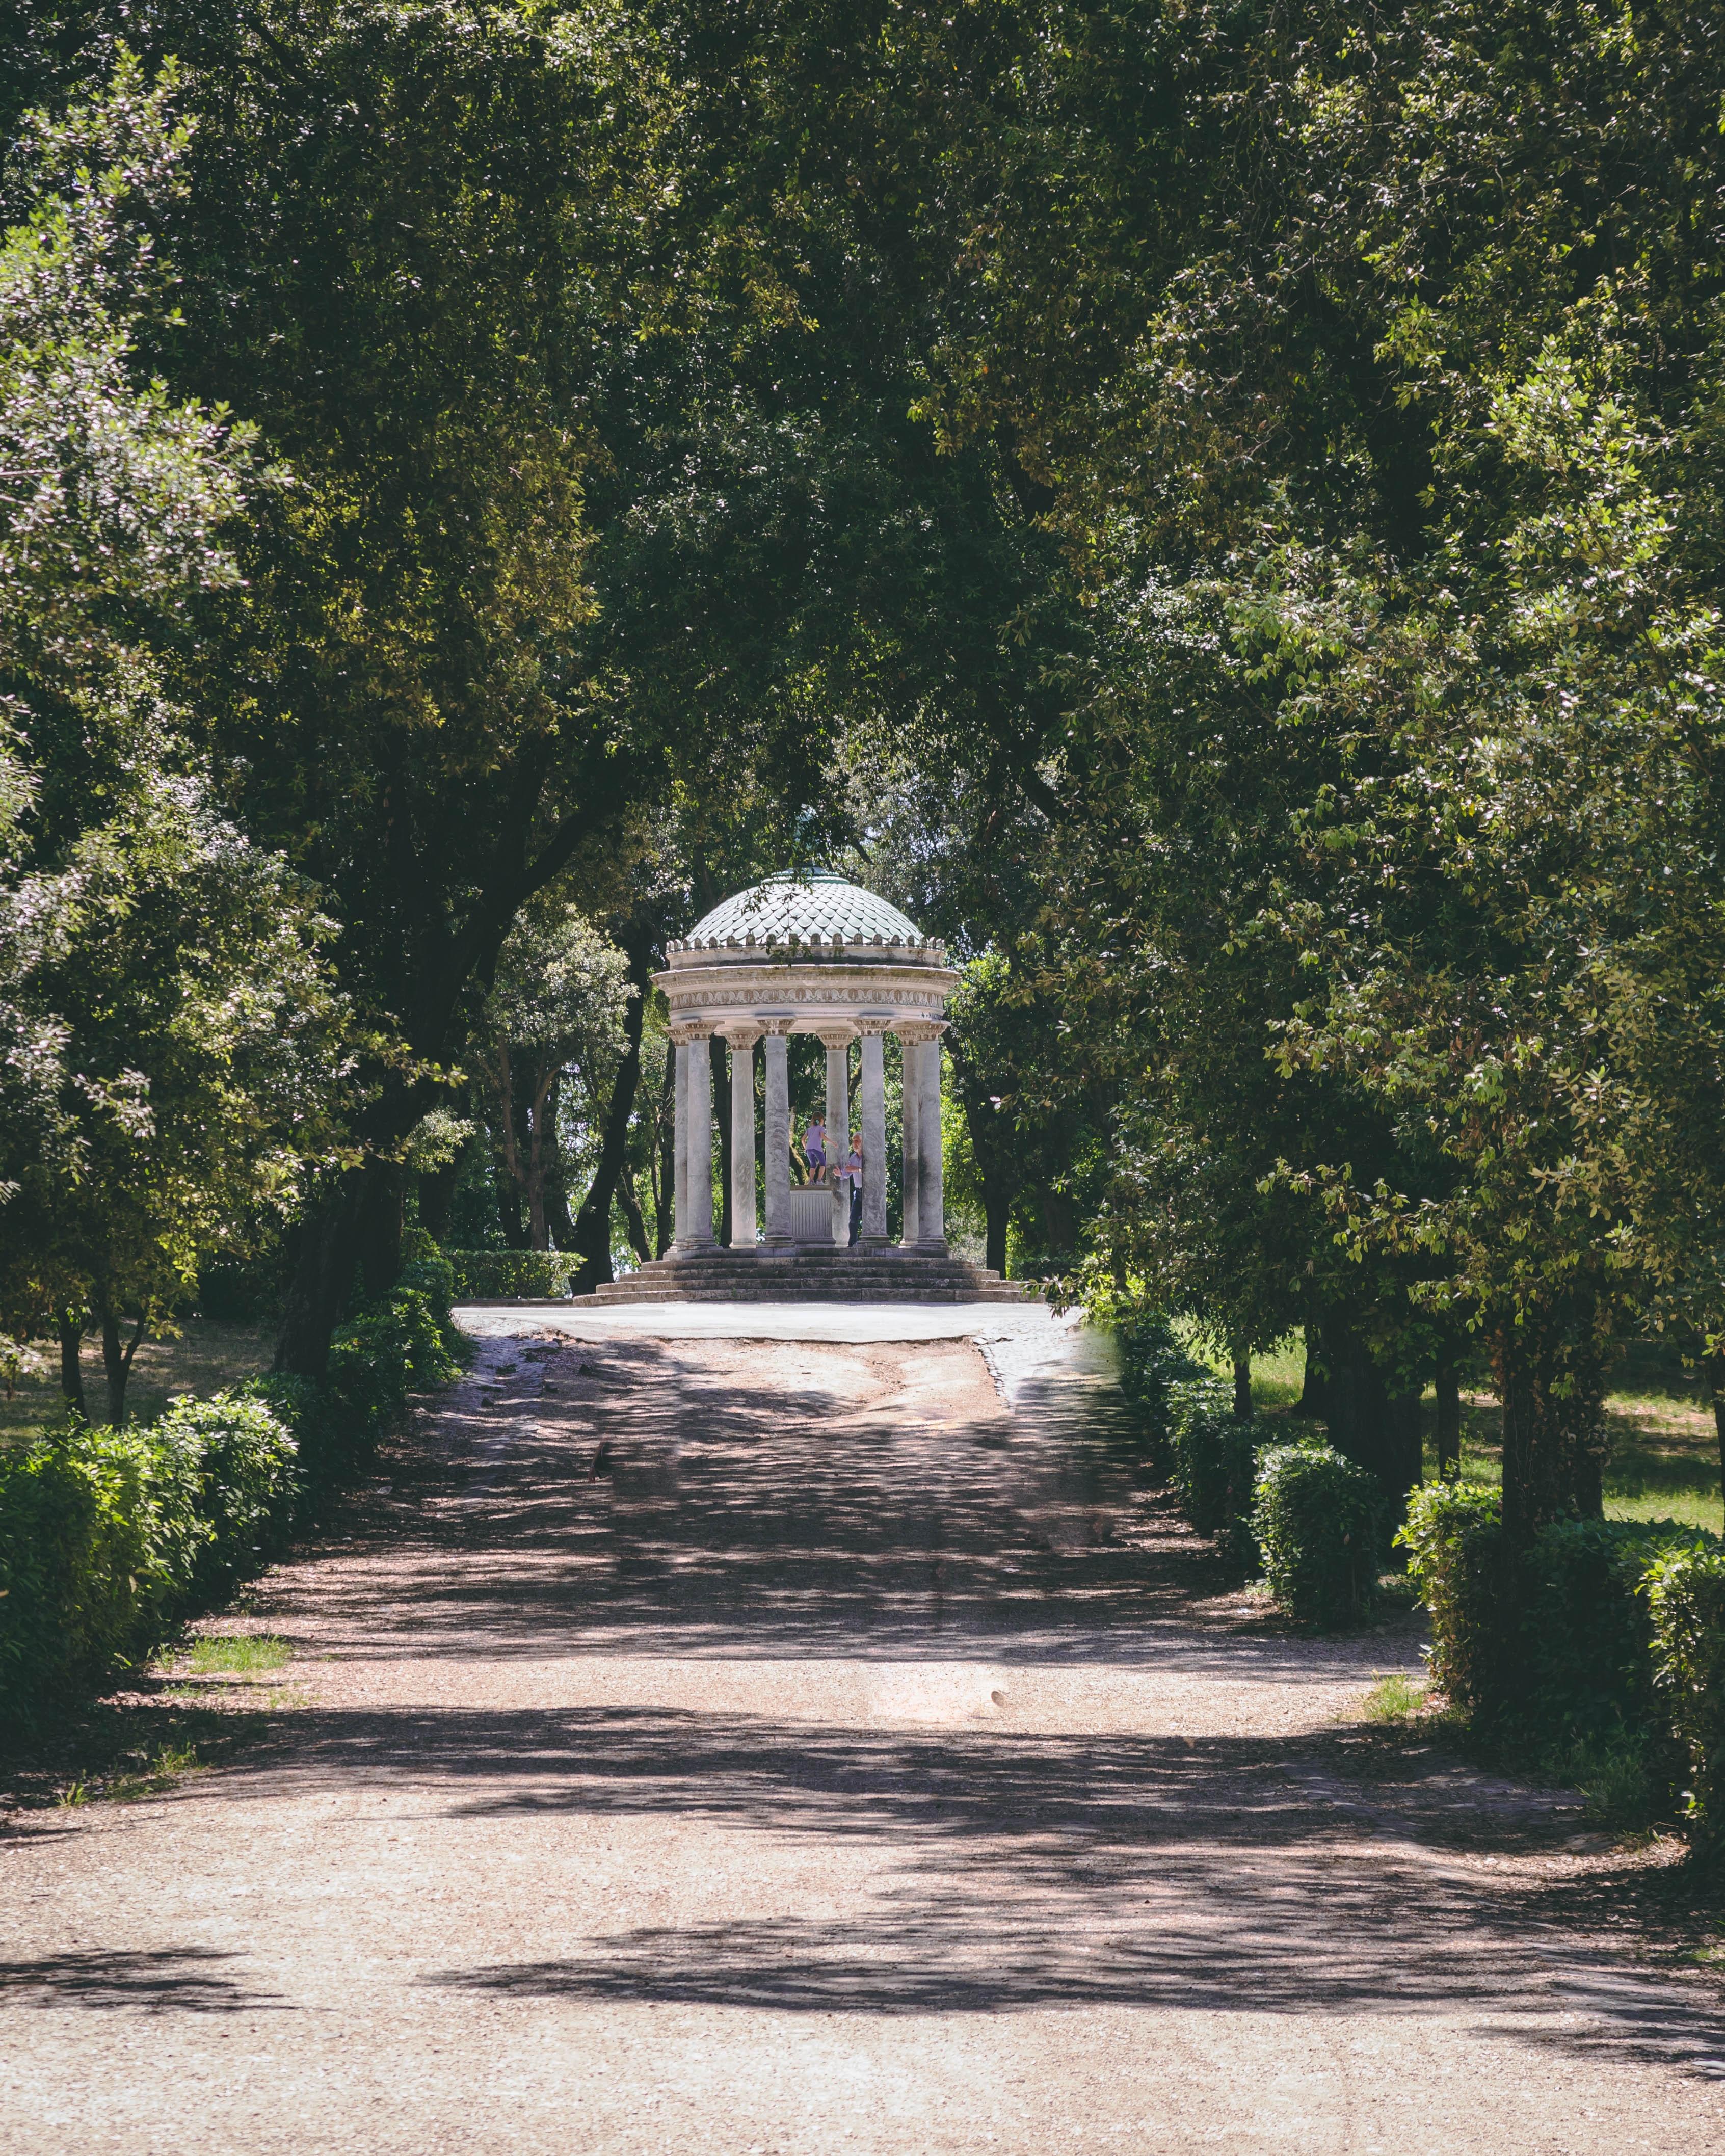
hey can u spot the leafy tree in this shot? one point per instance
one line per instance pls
(555, 1010)
(166, 1018)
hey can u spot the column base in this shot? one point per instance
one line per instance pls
(694, 1248)
(875, 1243)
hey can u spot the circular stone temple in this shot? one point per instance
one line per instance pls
(808, 952)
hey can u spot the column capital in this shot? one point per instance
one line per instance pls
(869, 1023)
(919, 1028)
(683, 1030)
(741, 1033)
(776, 1025)
(835, 1035)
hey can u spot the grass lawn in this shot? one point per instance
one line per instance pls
(1664, 1461)
(1663, 1464)
(211, 1353)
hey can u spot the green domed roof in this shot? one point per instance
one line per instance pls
(808, 906)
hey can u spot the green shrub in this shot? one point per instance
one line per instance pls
(481, 1276)
(308, 1412)
(1575, 1673)
(383, 1352)
(74, 1563)
(106, 1535)
(1213, 1459)
(1318, 1520)
(1583, 1673)
(1453, 1535)
(1151, 1362)
(377, 1357)
(426, 1268)
(1685, 1594)
(247, 1469)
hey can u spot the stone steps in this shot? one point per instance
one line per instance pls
(812, 1275)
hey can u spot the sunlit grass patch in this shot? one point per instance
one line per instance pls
(1395, 1698)
(237, 1654)
(1278, 1373)
(154, 1775)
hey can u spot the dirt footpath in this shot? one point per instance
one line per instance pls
(787, 1747)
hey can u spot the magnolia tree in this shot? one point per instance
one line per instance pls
(166, 1029)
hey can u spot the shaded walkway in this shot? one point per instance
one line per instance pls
(850, 1754)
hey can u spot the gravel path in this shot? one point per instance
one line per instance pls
(855, 1761)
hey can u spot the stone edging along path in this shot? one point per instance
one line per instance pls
(695, 1742)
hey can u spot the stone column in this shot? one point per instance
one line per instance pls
(874, 1130)
(679, 1048)
(698, 1235)
(931, 1204)
(911, 1107)
(743, 1042)
(836, 1041)
(777, 1138)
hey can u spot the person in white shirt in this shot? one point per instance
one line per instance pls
(814, 1149)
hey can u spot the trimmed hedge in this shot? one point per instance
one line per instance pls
(382, 1353)
(105, 1536)
(1213, 1455)
(483, 1275)
(1685, 1590)
(1151, 1362)
(1318, 1520)
(1613, 1664)
(1453, 1536)
(1191, 1433)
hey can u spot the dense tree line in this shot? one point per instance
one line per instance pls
(1213, 508)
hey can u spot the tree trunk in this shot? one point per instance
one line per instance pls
(1553, 1447)
(437, 1195)
(71, 1332)
(1059, 1221)
(1377, 1429)
(116, 1361)
(510, 1216)
(317, 1295)
(630, 1198)
(558, 1219)
(378, 1227)
(1714, 1371)
(1242, 1385)
(440, 970)
(1449, 1416)
(1314, 1391)
(996, 1208)
(1404, 1468)
(541, 1151)
(592, 1241)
